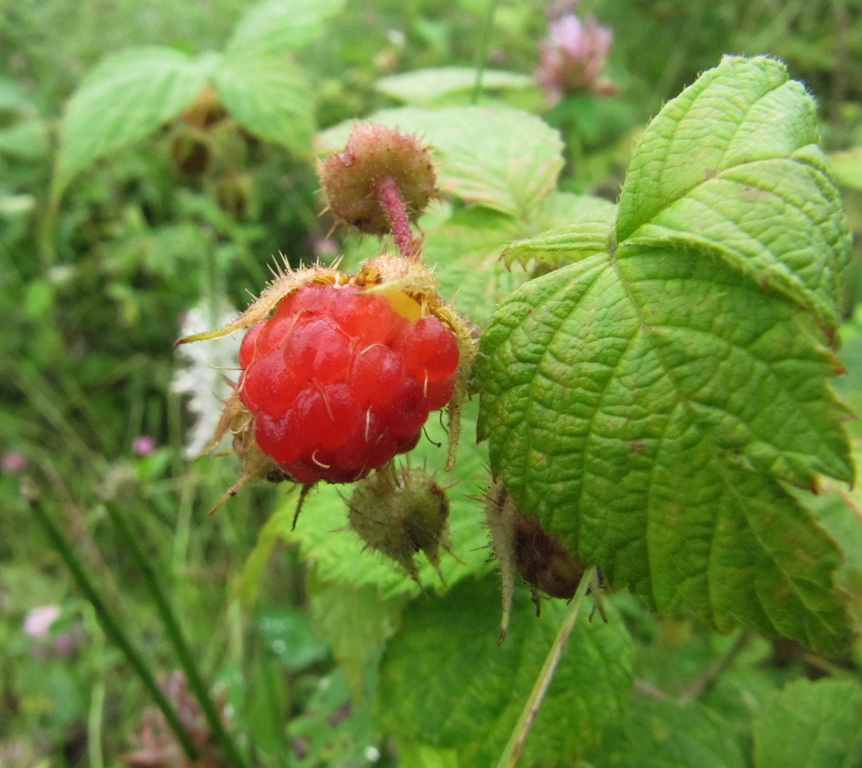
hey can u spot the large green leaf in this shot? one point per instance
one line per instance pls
(664, 734)
(278, 26)
(502, 159)
(445, 681)
(811, 725)
(123, 99)
(649, 401)
(267, 94)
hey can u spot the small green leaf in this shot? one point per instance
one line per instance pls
(356, 623)
(424, 87)
(731, 168)
(278, 26)
(589, 233)
(503, 159)
(268, 95)
(123, 99)
(664, 734)
(445, 681)
(811, 725)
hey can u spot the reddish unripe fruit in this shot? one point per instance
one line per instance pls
(338, 381)
(377, 161)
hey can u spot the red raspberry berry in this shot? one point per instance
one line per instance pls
(339, 380)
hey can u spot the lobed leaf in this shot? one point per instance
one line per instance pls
(445, 682)
(650, 402)
(280, 106)
(123, 99)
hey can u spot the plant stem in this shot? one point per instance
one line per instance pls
(482, 53)
(184, 653)
(392, 202)
(699, 686)
(112, 627)
(531, 708)
(97, 699)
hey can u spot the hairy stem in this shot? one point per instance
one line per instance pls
(111, 625)
(392, 202)
(531, 708)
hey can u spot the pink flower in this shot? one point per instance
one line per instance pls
(13, 461)
(143, 445)
(38, 621)
(573, 56)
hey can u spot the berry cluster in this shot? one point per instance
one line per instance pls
(338, 380)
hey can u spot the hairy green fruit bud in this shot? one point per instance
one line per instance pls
(376, 164)
(399, 513)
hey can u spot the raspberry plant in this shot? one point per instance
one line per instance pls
(659, 401)
(652, 396)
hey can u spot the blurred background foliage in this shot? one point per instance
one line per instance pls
(94, 292)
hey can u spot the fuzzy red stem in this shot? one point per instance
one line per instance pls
(392, 202)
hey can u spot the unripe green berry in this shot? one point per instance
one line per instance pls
(399, 513)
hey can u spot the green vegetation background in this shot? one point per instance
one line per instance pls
(93, 294)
